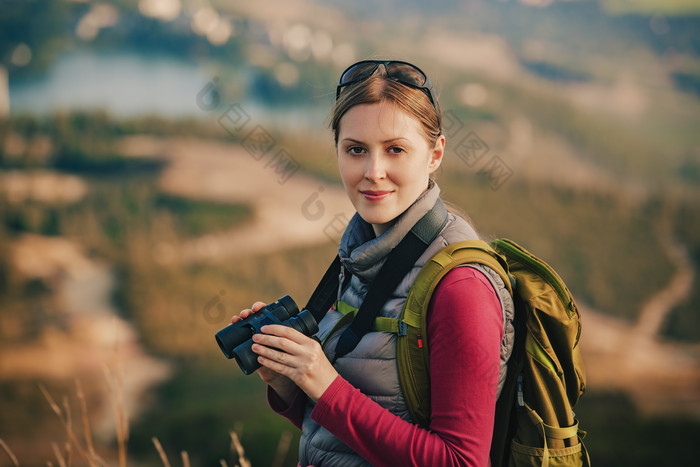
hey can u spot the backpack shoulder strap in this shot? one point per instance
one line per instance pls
(412, 345)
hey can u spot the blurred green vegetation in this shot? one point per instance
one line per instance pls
(618, 435)
(211, 399)
(603, 247)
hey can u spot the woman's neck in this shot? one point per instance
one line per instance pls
(381, 228)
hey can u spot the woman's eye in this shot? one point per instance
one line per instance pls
(395, 150)
(355, 150)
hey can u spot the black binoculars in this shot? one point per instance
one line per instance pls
(236, 340)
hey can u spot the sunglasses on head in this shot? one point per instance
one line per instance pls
(403, 72)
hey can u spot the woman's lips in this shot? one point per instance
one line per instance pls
(375, 195)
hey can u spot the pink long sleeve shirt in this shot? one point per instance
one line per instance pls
(465, 327)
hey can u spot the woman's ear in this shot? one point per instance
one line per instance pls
(436, 154)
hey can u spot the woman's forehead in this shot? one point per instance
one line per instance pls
(382, 120)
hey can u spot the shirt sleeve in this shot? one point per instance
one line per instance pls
(293, 412)
(465, 328)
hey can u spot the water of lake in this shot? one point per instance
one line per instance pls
(124, 84)
(127, 84)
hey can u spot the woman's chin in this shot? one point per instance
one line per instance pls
(374, 219)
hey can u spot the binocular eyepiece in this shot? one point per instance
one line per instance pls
(236, 340)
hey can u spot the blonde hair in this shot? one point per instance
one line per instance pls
(378, 88)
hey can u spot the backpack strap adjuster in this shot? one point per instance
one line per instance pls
(403, 329)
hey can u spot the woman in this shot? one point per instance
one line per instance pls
(387, 129)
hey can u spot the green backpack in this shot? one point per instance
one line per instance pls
(534, 424)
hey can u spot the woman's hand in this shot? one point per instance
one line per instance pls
(283, 386)
(286, 351)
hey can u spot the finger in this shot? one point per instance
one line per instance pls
(286, 332)
(275, 366)
(241, 316)
(276, 343)
(257, 305)
(274, 355)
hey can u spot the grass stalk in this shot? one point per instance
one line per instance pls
(9, 452)
(236, 444)
(69, 454)
(282, 449)
(87, 432)
(67, 425)
(161, 452)
(121, 420)
(185, 459)
(59, 456)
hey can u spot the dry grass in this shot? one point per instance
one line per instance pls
(236, 444)
(116, 385)
(9, 452)
(282, 449)
(161, 452)
(85, 448)
(64, 415)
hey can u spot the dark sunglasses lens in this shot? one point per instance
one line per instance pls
(406, 73)
(357, 72)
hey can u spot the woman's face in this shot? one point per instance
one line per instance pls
(384, 161)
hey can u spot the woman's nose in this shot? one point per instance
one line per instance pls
(375, 169)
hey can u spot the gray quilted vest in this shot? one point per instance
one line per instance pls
(371, 366)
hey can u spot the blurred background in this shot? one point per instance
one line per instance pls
(166, 163)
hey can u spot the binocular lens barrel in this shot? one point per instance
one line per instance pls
(246, 358)
(230, 336)
(234, 335)
(305, 323)
(236, 341)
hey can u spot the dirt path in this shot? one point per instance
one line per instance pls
(657, 308)
(290, 209)
(661, 376)
(85, 333)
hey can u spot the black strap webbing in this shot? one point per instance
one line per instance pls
(326, 291)
(397, 265)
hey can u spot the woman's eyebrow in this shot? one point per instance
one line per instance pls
(391, 140)
(394, 140)
(352, 140)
